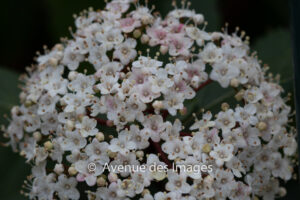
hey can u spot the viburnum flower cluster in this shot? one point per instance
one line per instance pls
(103, 98)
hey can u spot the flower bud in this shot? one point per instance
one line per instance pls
(72, 75)
(100, 136)
(111, 154)
(163, 49)
(216, 35)
(145, 39)
(239, 96)
(137, 33)
(112, 177)
(101, 182)
(282, 191)
(53, 62)
(59, 168)
(145, 191)
(206, 148)
(157, 105)
(183, 111)
(225, 106)
(72, 171)
(140, 155)
(59, 47)
(48, 145)
(146, 20)
(262, 126)
(198, 18)
(28, 103)
(234, 82)
(37, 136)
(70, 125)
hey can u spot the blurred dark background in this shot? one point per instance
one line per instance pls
(28, 25)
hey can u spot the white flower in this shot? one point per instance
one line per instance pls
(223, 73)
(235, 137)
(126, 187)
(28, 148)
(73, 140)
(147, 63)
(202, 188)
(123, 144)
(56, 85)
(179, 45)
(171, 195)
(173, 101)
(198, 35)
(263, 160)
(222, 153)
(156, 172)
(281, 167)
(110, 37)
(240, 191)
(111, 69)
(65, 188)
(87, 127)
(172, 131)
(75, 103)
(253, 95)
(98, 56)
(177, 182)
(141, 140)
(190, 166)
(97, 151)
(174, 149)
(224, 182)
(49, 123)
(236, 166)
(160, 83)
(129, 24)
(47, 104)
(109, 193)
(125, 51)
(43, 187)
(246, 115)
(71, 58)
(109, 85)
(225, 121)
(145, 93)
(87, 175)
(82, 84)
(211, 53)
(204, 123)
(120, 159)
(154, 126)
(141, 180)
(179, 69)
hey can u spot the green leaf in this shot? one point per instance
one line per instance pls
(13, 168)
(61, 14)
(275, 50)
(9, 90)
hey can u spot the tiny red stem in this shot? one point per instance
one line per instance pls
(101, 121)
(162, 154)
(182, 134)
(203, 85)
